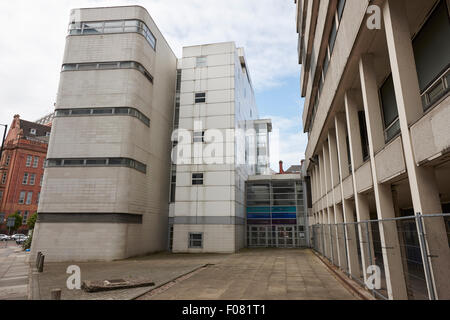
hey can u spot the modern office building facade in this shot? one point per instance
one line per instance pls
(375, 77)
(216, 149)
(276, 211)
(104, 194)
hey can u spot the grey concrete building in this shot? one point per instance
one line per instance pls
(375, 77)
(104, 193)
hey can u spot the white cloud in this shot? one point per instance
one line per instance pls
(287, 142)
(33, 34)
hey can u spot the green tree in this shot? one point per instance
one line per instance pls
(17, 222)
(32, 221)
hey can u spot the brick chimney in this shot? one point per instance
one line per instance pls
(281, 168)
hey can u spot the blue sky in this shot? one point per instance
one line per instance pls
(32, 55)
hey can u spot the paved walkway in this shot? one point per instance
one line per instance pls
(13, 272)
(260, 274)
(250, 274)
(159, 268)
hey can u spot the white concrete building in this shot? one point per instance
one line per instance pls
(217, 103)
(375, 77)
(104, 193)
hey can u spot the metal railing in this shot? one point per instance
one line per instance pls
(403, 241)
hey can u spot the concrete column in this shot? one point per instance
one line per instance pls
(341, 133)
(354, 264)
(422, 181)
(334, 166)
(327, 171)
(333, 238)
(347, 208)
(361, 203)
(392, 259)
(321, 175)
(341, 252)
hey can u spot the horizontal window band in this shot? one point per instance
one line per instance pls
(113, 65)
(93, 217)
(97, 162)
(111, 27)
(210, 220)
(114, 111)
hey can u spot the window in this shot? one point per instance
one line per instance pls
(390, 112)
(349, 157)
(1, 197)
(25, 218)
(333, 34)
(99, 162)
(200, 97)
(33, 131)
(38, 197)
(42, 180)
(196, 240)
(432, 52)
(197, 178)
(108, 66)
(5, 175)
(363, 134)
(201, 62)
(22, 197)
(25, 178)
(32, 179)
(47, 134)
(340, 9)
(173, 183)
(36, 162)
(199, 136)
(116, 26)
(8, 160)
(29, 197)
(29, 159)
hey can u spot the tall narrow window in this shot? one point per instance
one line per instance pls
(349, 158)
(25, 218)
(5, 175)
(32, 179)
(29, 197)
(1, 197)
(390, 111)
(36, 162)
(22, 197)
(25, 178)
(29, 159)
(340, 9)
(363, 133)
(8, 160)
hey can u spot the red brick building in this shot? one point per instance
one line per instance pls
(22, 169)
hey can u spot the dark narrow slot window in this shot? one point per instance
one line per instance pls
(390, 111)
(363, 133)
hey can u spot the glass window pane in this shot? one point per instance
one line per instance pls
(432, 46)
(388, 101)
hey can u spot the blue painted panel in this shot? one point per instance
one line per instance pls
(258, 215)
(258, 209)
(284, 209)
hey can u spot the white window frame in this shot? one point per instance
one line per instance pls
(190, 240)
(29, 161)
(29, 199)
(22, 196)
(26, 175)
(36, 162)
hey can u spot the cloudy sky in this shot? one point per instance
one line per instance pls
(32, 37)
